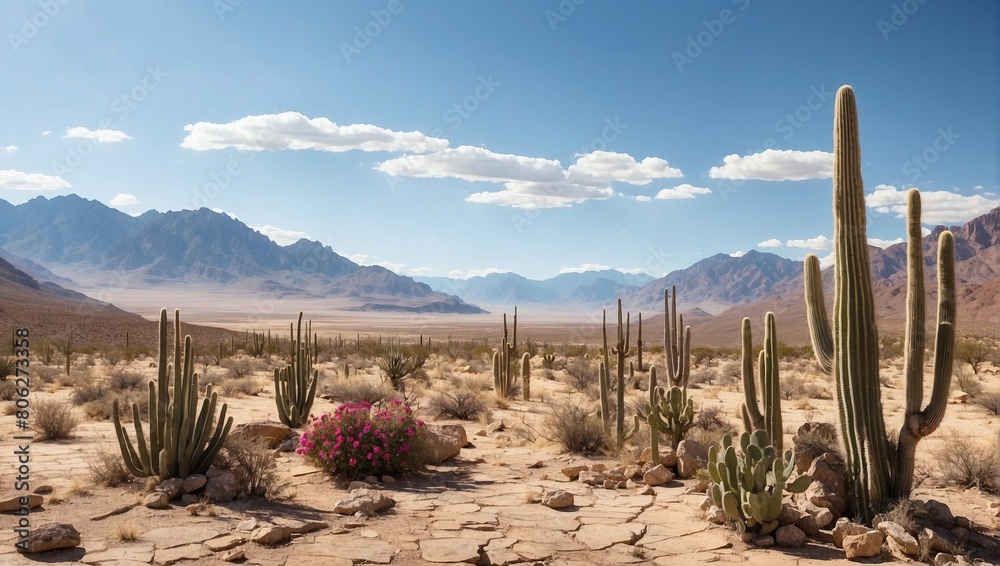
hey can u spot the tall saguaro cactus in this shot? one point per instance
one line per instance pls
(768, 420)
(621, 350)
(179, 442)
(676, 341)
(295, 384)
(852, 349)
(503, 360)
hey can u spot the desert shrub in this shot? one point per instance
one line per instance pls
(120, 380)
(359, 440)
(212, 378)
(8, 391)
(44, 375)
(989, 400)
(87, 393)
(242, 367)
(396, 366)
(471, 381)
(581, 374)
(53, 419)
(463, 404)
(237, 388)
(101, 409)
(75, 378)
(968, 382)
(576, 427)
(816, 391)
(792, 386)
(814, 442)
(8, 366)
(702, 376)
(254, 467)
(710, 417)
(963, 462)
(107, 468)
(359, 390)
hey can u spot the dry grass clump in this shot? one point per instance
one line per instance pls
(580, 374)
(702, 376)
(237, 388)
(8, 391)
(108, 469)
(242, 367)
(968, 382)
(53, 419)
(125, 531)
(471, 381)
(44, 375)
(102, 408)
(989, 400)
(460, 403)
(356, 389)
(710, 425)
(967, 463)
(576, 427)
(89, 392)
(254, 467)
(120, 380)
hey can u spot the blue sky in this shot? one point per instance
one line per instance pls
(455, 138)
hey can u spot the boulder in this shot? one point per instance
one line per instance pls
(222, 488)
(845, 528)
(789, 535)
(657, 475)
(157, 500)
(51, 537)
(573, 472)
(194, 482)
(691, 456)
(864, 545)
(592, 478)
(173, 487)
(828, 488)
(443, 442)
(897, 534)
(14, 502)
(269, 433)
(558, 499)
(365, 501)
(271, 534)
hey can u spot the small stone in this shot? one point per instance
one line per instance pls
(632, 471)
(13, 503)
(610, 484)
(789, 535)
(845, 528)
(657, 475)
(157, 500)
(357, 485)
(226, 542)
(271, 534)
(51, 537)
(365, 501)
(646, 456)
(371, 480)
(599, 467)
(715, 515)
(766, 541)
(573, 472)
(189, 498)
(234, 555)
(898, 535)
(558, 499)
(705, 504)
(194, 483)
(668, 457)
(222, 488)
(43, 490)
(944, 558)
(788, 515)
(495, 426)
(648, 490)
(173, 487)
(808, 524)
(443, 442)
(823, 516)
(388, 479)
(622, 485)
(592, 478)
(936, 538)
(864, 545)
(247, 525)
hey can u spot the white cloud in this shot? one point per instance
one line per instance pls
(682, 191)
(281, 236)
(19, 181)
(643, 198)
(475, 164)
(772, 243)
(600, 167)
(817, 243)
(291, 130)
(8, 149)
(880, 243)
(99, 136)
(541, 195)
(359, 259)
(978, 188)
(776, 165)
(459, 274)
(826, 261)
(229, 214)
(630, 270)
(738, 253)
(937, 207)
(585, 267)
(124, 199)
(46, 132)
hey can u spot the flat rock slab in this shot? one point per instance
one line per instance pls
(225, 542)
(450, 550)
(599, 537)
(172, 537)
(169, 556)
(374, 551)
(131, 553)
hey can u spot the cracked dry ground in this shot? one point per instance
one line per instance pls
(477, 508)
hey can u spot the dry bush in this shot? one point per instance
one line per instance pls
(581, 374)
(463, 404)
(254, 467)
(968, 381)
(120, 380)
(87, 393)
(702, 376)
(76, 378)
(471, 381)
(108, 469)
(53, 419)
(576, 427)
(237, 388)
(101, 409)
(710, 417)
(44, 375)
(358, 389)
(814, 443)
(792, 386)
(8, 391)
(816, 391)
(8, 366)
(989, 400)
(902, 513)
(241, 367)
(8, 409)
(967, 463)
(125, 531)
(708, 437)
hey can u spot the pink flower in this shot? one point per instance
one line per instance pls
(353, 462)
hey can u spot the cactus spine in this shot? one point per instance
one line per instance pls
(526, 375)
(503, 375)
(179, 444)
(770, 419)
(295, 384)
(852, 348)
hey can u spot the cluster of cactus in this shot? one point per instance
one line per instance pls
(504, 379)
(253, 343)
(749, 485)
(548, 359)
(670, 412)
(181, 438)
(851, 350)
(767, 419)
(295, 384)
(621, 350)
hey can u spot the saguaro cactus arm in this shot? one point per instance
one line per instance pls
(819, 322)
(753, 419)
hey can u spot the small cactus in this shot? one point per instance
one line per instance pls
(526, 375)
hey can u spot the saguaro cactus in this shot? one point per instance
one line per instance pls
(767, 360)
(676, 343)
(621, 350)
(295, 384)
(179, 444)
(526, 375)
(503, 359)
(851, 351)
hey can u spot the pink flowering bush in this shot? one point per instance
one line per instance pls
(359, 440)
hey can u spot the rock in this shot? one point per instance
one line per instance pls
(271, 534)
(366, 501)
(51, 537)
(789, 535)
(192, 509)
(938, 513)
(495, 426)
(15, 502)
(631, 472)
(937, 539)
(691, 456)
(269, 433)
(610, 484)
(355, 485)
(864, 545)
(828, 488)
(443, 442)
(657, 475)
(222, 488)
(808, 524)
(592, 478)
(573, 472)
(43, 489)
(450, 550)
(805, 450)
(194, 482)
(301, 527)
(599, 467)
(290, 445)
(213, 472)
(173, 487)
(845, 528)
(157, 500)
(669, 458)
(705, 504)
(189, 498)
(559, 499)
(944, 558)
(226, 542)
(766, 541)
(234, 555)
(789, 515)
(898, 535)
(699, 486)
(615, 475)
(822, 515)
(390, 479)
(646, 455)
(715, 515)
(371, 480)
(959, 397)
(116, 511)
(247, 525)
(647, 490)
